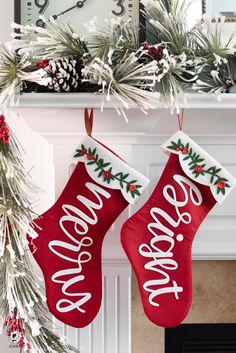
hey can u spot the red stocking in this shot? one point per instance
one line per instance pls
(158, 238)
(71, 233)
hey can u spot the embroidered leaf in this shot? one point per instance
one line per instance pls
(210, 169)
(172, 147)
(77, 155)
(199, 160)
(125, 176)
(132, 182)
(101, 168)
(106, 165)
(195, 161)
(186, 158)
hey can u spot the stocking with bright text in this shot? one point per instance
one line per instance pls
(71, 232)
(158, 238)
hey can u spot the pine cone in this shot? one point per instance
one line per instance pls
(66, 75)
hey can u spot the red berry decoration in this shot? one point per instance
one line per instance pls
(177, 149)
(132, 188)
(198, 169)
(107, 175)
(221, 185)
(185, 151)
(45, 63)
(83, 152)
(146, 46)
(90, 157)
(37, 64)
(4, 131)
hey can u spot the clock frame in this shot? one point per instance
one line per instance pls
(142, 32)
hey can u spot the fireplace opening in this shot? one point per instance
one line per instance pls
(201, 338)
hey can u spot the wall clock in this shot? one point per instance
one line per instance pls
(78, 12)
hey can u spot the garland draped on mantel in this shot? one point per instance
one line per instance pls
(172, 61)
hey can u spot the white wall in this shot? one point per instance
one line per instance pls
(6, 17)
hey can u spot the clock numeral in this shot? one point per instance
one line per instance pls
(42, 4)
(121, 9)
(40, 23)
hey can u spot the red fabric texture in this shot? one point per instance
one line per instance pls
(158, 242)
(78, 230)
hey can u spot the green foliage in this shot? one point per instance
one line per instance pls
(114, 40)
(198, 167)
(107, 174)
(167, 24)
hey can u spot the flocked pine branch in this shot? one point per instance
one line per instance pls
(130, 81)
(210, 40)
(23, 312)
(56, 40)
(14, 71)
(113, 40)
(167, 23)
(218, 74)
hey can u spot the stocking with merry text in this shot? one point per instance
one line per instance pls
(158, 238)
(68, 248)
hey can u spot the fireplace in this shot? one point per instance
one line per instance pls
(201, 338)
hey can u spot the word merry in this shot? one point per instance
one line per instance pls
(164, 237)
(77, 242)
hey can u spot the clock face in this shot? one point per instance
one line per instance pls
(77, 12)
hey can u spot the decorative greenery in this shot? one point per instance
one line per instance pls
(23, 311)
(104, 170)
(198, 167)
(55, 41)
(174, 59)
(14, 72)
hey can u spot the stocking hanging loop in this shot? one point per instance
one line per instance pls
(88, 121)
(180, 117)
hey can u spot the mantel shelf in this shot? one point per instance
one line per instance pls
(85, 100)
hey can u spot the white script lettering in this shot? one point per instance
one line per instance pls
(162, 260)
(80, 222)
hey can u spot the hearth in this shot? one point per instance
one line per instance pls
(201, 338)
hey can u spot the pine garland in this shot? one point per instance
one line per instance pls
(196, 60)
(23, 311)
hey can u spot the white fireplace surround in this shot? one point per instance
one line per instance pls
(49, 137)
